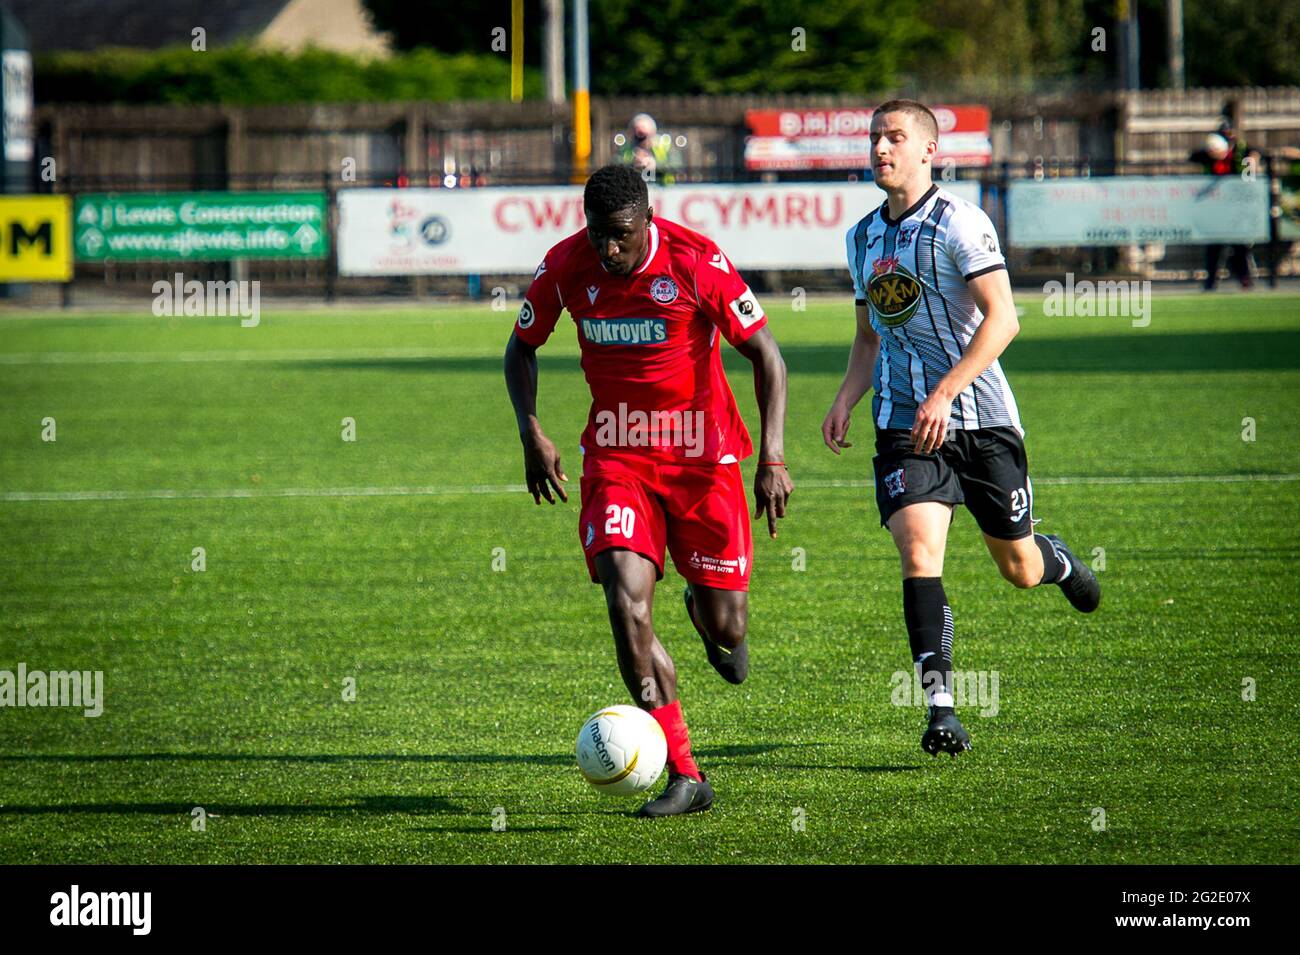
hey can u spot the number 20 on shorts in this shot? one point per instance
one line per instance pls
(619, 520)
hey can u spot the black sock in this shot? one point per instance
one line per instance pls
(929, 633)
(1053, 565)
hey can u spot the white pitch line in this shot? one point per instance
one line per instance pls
(454, 489)
(1179, 479)
(142, 358)
(1108, 479)
(246, 493)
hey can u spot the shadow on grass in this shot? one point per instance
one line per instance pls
(378, 805)
(539, 759)
(855, 769)
(487, 829)
(742, 753)
(1134, 350)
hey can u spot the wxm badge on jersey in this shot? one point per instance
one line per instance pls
(893, 292)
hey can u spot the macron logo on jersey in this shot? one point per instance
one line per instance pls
(720, 262)
(624, 331)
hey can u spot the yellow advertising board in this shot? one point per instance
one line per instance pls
(35, 238)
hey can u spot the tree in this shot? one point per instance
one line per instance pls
(707, 46)
(867, 46)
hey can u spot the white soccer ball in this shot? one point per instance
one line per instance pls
(1217, 146)
(621, 750)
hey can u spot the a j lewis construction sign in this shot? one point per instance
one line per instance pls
(200, 225)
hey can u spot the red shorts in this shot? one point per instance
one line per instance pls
(642, 503)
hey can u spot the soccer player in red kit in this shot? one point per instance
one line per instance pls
(664, 439)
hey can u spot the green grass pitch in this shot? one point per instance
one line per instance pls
(224, 688)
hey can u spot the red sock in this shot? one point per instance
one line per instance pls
(680, 759)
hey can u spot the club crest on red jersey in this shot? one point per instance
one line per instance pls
(663, 290)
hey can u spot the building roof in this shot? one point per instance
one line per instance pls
(146, 24)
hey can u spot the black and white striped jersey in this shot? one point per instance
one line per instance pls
(912, 272)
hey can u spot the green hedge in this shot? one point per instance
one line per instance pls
(252, 76)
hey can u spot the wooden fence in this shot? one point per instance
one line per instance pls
(333, 146)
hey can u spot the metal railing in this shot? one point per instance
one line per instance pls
(320, 278)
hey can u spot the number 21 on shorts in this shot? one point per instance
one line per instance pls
(1019, 503)
(619, 520)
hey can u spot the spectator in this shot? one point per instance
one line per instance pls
(1285, 166)
(650, 151)
(1226, 154)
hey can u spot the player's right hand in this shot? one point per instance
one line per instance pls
(836, 427)
(542, 468)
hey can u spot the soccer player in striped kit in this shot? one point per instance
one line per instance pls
(934, 313)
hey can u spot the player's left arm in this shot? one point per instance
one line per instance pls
(992, 294)
(971, 244)
(772, 484)
(731, 306)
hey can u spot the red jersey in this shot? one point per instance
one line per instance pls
(650, 349)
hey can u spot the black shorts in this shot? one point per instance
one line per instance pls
(984, 468)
